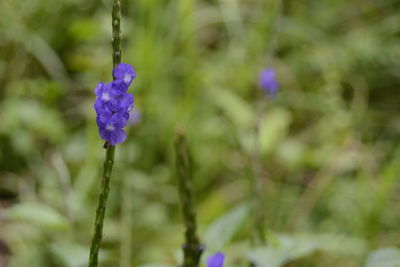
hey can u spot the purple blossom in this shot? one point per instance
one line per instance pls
(123, 76)
(113, 105)
(216, 260)
(105, 101)
(268, 81)
(110, 128)
(110, 101)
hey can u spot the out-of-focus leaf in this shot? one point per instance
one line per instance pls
(290, 248)
(291, 152)
(236, 109)
(224, 228)
(64, 252)
(273, 128)
(41, 120)
(384, 257)
(84, 29)
(37, 213)
(287, 250)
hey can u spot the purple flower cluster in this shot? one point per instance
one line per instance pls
(268, 82)
(216, 260)
(113, 104)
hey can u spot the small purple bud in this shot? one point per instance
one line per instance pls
(268, 82)
(216, 260)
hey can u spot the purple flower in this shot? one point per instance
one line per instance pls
(113, 104)
(268, 81)
(216, 260)
(104, 103)
(104, 92)
(123, 75)
(110, 128)
(125, 102)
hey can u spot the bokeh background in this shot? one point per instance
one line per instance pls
(328, 142)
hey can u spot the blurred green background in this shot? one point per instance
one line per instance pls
(329, 147)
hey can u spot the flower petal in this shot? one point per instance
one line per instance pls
(104, 134)
(216, 260)
(98, 89)
(124, 73)
(119, 135)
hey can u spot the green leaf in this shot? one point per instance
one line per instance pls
(39, 214)
(287, 250)
(273, 128)
(235, 108)
(290, 248)
(65, 250)
(224, 228)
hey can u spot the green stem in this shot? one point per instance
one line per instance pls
(110, 150)
(192, 249)
(116, 32)
(259, 235)
(101, 208)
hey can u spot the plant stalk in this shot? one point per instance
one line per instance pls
(101, 208)
(192, 249)
(259, 233)
(116, 32)
(110, 150)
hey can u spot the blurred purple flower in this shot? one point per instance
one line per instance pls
(216, 260)
(268, 81)
(134, 117)
(113, 104)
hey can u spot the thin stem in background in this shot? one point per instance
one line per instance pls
(192, 249)
(259, 232)
(259, 220)
(274, 32)
(110, 150)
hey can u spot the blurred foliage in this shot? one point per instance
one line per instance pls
(329, 141)
(384, 257)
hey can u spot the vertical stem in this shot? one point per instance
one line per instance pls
(259, 231)
(192, 249)
(259, 235)
(116, 32)
(110, 150)
(101, 208)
